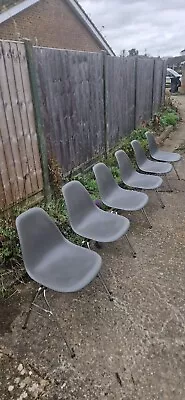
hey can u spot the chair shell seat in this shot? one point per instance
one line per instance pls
(144, 181)
(155, 167)
(87, 220)
(67, 268)
(113, 195)
(127, 200)
(133, 178)
(161, 155)
(103, 227)
(49, 258)
(146, 165)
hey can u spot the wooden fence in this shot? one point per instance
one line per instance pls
(84, 103)
(90, 100)
(20, 168)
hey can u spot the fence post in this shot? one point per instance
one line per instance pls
(135, 102)
(38, 118)
(104, 55)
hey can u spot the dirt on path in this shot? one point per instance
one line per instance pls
(129, 349)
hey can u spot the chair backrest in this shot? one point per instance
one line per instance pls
(151, 142)
(105, 181)
(38, 235)
(78, 202)
(125, 166)
(139, 152)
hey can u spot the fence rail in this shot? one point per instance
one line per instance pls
(90, 100)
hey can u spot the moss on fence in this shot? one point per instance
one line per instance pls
(10, 254)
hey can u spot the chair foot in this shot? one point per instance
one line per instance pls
(146, 217)
(131, 247)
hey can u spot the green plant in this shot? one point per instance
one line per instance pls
(10, 254)
(169, 118)
(55, 176)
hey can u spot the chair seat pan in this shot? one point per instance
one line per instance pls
(103, 226)
(165, 156)
(143, 181)
(67, 268)
(155, 167)
(127, 200)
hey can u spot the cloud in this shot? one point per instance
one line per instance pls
(155, 25)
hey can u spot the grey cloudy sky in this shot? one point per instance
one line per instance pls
(155, 25)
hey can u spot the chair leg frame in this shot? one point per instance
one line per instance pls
(178, 177)
(109, 293)
(168, 184)
(146, 217)
(159, 198)
(48, 311)
(131, 247)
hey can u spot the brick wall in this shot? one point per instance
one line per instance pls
(50, 23)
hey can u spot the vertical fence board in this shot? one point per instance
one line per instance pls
(7, 177)
(157, 86)
(144, 96)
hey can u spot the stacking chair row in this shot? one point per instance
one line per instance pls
(57, 264)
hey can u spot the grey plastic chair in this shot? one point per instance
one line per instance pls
(134, 179)
(88, 221)
(51, 260)
(160, 155)
(116, 197)
(146, 165)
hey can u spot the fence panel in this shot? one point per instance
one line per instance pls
(120, 97)
(20, 170)
(144, 89)
(71, 94)
(81, 93)
(157, 84)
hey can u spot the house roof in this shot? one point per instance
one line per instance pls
(90, 25)
(175, 60)
(10, 8)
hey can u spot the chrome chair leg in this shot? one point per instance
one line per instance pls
(48, 312)
(168, 183)
(159, 198)
(178, 177)
(146, 217)
(109, 293)
(131, 247)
